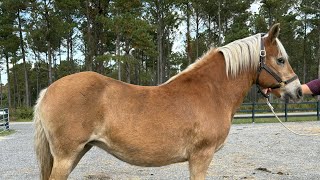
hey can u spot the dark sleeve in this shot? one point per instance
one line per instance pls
(314, 86)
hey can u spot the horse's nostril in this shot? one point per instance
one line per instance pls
(299, 92)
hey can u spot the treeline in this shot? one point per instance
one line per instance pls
(44, 40)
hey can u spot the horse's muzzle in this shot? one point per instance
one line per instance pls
(292, 96)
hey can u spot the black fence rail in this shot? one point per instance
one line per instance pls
(261, 110)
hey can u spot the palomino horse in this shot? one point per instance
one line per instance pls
(185, 119)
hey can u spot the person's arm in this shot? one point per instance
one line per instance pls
(305, 89)
(312, 87)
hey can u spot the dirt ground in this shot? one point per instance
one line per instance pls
(252, 151)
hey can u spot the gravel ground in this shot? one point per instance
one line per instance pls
(252, 151)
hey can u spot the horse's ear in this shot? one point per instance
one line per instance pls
(274, 32)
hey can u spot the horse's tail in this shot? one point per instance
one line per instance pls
(42, 148)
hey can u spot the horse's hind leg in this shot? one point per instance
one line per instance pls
(81, 154)
(61, 168)
(199, 163)
(64, 161)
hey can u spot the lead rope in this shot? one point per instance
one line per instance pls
(272, 109)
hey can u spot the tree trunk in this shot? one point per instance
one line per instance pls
(54, 72)
(8, 83)
(118, 56)
(167, 67)
(270, 17)
(49, 55)
(219, 24)
(1, 95)
(160, 55)
(39, 72)
(136, 73)
(188, 34)
(209, 30)
(89, 63)
(71, 47)
(15, 87)
(128, 74)
(26, 79)
(304, 50)
(68, 48)
(160, 44)
(37, 68)
(49, 64)
(197, 29)
(318, 56)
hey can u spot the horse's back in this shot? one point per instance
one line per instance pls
(82, 89)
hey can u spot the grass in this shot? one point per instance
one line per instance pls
(7, 132)
(274, 120)
(22, 120)
(235, 121)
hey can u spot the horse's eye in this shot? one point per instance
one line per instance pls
(280, 61)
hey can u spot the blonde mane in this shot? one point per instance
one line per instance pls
(242, 54)
(239, 55)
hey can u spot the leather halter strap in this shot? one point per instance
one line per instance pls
(263, 66)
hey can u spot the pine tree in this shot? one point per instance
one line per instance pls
(9, 41)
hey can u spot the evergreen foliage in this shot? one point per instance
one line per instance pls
(133, 41)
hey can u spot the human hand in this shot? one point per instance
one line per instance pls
(266, 90)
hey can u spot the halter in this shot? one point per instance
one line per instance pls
(262, 66)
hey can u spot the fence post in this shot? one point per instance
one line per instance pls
(253, 111)
(318, 110)
(286, 111)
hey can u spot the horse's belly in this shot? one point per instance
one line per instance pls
(153, 160)
(151, 156)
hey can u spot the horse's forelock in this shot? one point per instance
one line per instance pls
(282, 51)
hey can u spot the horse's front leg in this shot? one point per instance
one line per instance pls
(199, 163)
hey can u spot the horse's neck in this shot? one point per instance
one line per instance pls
(231, 90)
(228, 92)
(235, 90)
